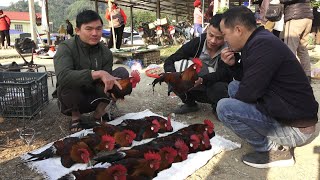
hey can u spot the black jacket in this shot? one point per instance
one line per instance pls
(194, 49)
(297, 9)
(274, 80)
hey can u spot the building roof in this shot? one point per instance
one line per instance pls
(20, 16)
(173, 7)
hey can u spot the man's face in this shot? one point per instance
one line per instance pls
(91, 32)
(231, 36)
(214, 38)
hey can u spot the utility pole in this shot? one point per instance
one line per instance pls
(32, 16)
(48, 30)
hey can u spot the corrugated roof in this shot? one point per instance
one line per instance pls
(20, 16)
(173, 7)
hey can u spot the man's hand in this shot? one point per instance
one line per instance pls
(227, 56)
(198, 82)
(108, 80)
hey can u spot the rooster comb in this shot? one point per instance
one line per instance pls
(180, 144)
(130, 133)
(197, 61)
(195, 138)
(118, 168)
(108, 138)
(135, 75)
(170, 150)
(152, 156)
(208, 123)
(157, 125)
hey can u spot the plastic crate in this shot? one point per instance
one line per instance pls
(148, 57)
(22, 94)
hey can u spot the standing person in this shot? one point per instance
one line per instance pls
(209, 13)
(78, 63)
(197, 18)
(272, 106)
(316, 25)
(214, 75)
(119, 19)
(298, 17)
(4, 28)
(62, 32)
(275, 27)
(69, 29)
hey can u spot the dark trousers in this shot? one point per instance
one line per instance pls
(118, 36)
(81, 99)
(5, 34)
(210, 94)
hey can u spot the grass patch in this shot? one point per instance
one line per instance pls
(167, 51)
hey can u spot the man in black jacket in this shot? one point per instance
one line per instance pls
(273, 107)
(298, 17)
(215, 74)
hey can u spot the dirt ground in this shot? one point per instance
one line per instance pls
(51, 126)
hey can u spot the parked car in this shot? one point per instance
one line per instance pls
(137, 40)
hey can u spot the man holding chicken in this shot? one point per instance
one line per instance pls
(79, 62)
(212, 84)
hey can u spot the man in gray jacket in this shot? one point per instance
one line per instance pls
(79, 62)
(298, 22)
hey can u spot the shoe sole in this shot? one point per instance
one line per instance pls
(281, 163)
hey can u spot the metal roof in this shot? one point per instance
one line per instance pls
(173, 7)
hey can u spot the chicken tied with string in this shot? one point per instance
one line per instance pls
(127, 84)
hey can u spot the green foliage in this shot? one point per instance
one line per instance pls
(222, 10)
(22, 6)
(140, 16)
(315, 3)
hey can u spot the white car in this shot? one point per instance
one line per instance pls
(137, 40)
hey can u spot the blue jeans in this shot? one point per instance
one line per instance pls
(198, 29)
(259, 130)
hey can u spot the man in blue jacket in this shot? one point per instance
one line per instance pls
(272, 107)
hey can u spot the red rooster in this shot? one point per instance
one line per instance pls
(207, 126)
(99, 143)
(127, 85)
(71, 150)
(181, 82)
(165, 125)
(118, 172)
(182, 150)
(143, 129)
(123, 138)
(142, 168)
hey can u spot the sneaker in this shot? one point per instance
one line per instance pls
(185, 108)
(280, 157)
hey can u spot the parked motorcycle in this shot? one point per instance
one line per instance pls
(148, 35)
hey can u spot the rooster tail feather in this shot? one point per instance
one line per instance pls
(110, 158)
(48, 153)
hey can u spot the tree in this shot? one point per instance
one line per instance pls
(22, 6)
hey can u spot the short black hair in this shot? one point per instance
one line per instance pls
(1, 11)
(87, 16)
(215, 21)
(239, 15)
